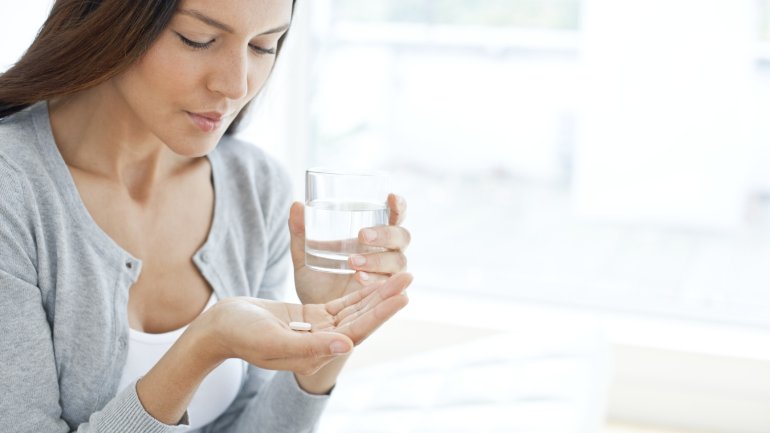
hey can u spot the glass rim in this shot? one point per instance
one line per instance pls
(345, 172)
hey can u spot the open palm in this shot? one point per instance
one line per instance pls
(355, 315)
(257, 330)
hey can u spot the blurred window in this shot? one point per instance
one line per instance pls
(555, 14)
(763, 14)
(479, 103)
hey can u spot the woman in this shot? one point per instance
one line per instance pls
(127, 211)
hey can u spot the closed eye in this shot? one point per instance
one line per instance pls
(195, 45)
(204, 45)
(260, 50)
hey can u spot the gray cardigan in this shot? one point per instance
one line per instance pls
(64, 291)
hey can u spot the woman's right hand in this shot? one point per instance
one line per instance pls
(257, 330)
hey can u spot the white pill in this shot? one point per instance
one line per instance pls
(300, 326)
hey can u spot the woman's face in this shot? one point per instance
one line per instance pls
(213, 58)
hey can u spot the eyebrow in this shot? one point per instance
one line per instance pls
(214, 23)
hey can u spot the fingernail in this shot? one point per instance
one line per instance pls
(369, 234)
(339, 347)
(358, 260)
(363, 275)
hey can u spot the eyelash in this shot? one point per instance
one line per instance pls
(204, 45)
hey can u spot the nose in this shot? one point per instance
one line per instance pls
(229, 75)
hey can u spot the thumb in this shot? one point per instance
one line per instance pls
(297, 231)
(306, 352)
(319, 344)
(336, 343)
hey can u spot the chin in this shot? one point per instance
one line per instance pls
(194, 147)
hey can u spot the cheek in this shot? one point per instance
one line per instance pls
(167, 74)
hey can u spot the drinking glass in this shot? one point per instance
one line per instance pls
(338, 204)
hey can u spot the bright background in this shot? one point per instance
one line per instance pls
(600, 159)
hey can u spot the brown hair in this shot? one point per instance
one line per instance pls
(84, 43)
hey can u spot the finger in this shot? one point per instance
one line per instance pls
(366, 278)
(392, 287)
(297, 231)
(397, 206)
(310, 361)
(395, 285)
(365, 324)
(308, 345)
(390, 237)
(335, 306)
(389, 262)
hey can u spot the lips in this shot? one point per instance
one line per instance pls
(207, 122)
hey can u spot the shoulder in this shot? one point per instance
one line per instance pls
(18, 136)
(20, 150)
(250, 160)
(250, 172)
(23, 170)
(28, 191)
(18, 215)
(17, 155)
(13, 187)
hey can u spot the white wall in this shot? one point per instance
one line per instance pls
(19, 23)
(665, 126)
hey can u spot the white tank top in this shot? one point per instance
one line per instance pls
(215, 393)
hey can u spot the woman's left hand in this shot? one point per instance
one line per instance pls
(314, 287)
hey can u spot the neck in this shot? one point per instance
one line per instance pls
(98, 134)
